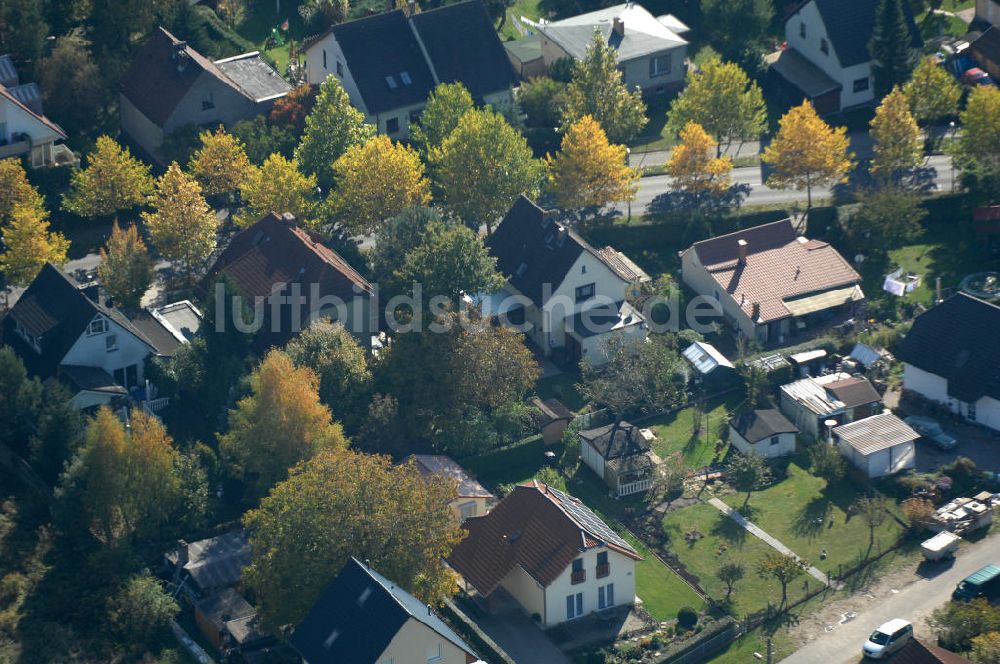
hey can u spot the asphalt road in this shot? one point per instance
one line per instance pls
(914, 602)
(652, 187)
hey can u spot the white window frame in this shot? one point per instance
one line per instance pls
(98, 322)
(467, 509)
(574, 606)
(654, 65)
(111, 343)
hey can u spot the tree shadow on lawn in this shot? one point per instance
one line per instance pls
(727, 529)
(813, 518)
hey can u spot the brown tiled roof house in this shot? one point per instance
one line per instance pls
(772, 283)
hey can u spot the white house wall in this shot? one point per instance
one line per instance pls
(636, 71)
(934, 387)
(595, 349)
(90, 351)
(141, 129)
(416, 642)
(802, 417)
(988, 412)
(622, 575)
(587, 269)
(694, 274)
(316, 73)
(229, 105)
(764, 448)
(528, 592)
(19, 121)
(592, 458)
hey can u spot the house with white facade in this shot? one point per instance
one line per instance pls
(471, 498)
(825, 57)
(764, 432)
(362, 616)
(62, 330)
(548, 551)
(812, 401)
(879, 445)
(771, 283)
(621, 455)
(389, 63)
(651, 51)
(170, 85)
(563, 293)
(951, 356)
(25, 131)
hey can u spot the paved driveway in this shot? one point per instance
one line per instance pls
(914, 602)
(973, 442)
(520, 638)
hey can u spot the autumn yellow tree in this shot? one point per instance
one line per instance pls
(588, 171)
(113, 180)
(376, 181)
(126, 270)
(341, 504)
(279, 424)
(183, 228)
(933, 92)
(694, 166)
(278, 186)
(807, 152)
(30, 245)
(898, 148)
(220, 165)
(978, 150)
(15, 190)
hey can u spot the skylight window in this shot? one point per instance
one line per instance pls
(391, 82)
(404, 76)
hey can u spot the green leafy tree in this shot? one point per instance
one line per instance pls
(826, 462)
(446, 105)
(113, 180)
(341, 504)
(483, 166)
(738, 29)
(278, 186)
(893, 54)
(957, 624)
(16, 191)
(541, 98)
(783, 568)
(126, 269)
(724, 101)
(340, 362)
(451, 260)
(873, 511)
(261, 139)
(220, 165)
(978, 150)
(57, 433)
(29, 245)
(142, 610)
(731, 574)
(23, 29)
(20, 400)
(73, 85)
(597, 89)
(321, 14)
(394, 241)
(898, 148)
(332, 127)
(933, 92)
(747, 472)
(182, 226)
(280, 423)
(885, 219)
(986, 648)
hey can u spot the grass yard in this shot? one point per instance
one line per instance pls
(563, 387)
(655, 135)
(808, 515)
(526, 8)
(663, 593)
(673, 431)
(721, 542)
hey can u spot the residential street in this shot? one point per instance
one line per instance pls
(914, 602)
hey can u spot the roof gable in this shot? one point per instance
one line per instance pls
(42, 120)
(957, 340)
(644, 34)
(760, 424)
(357, 616)
(615, 441)
(875, 433)
(849, 25)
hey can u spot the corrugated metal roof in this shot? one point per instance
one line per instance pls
(8, 72)
(876, 433)
(813, 396)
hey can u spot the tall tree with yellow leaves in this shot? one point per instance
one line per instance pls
(279, 424)
(220, 165)
(15, 190)
(588, 171)
(126, 270)
(30, 245)
(898, 149)
(278, 186)
(113, 180)
(933, 92)
(376, 181)
(694, 166)
(807, 152)
(183, 228)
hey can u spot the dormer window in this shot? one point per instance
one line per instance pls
(404, 76)
(97, 326)
(391, 82)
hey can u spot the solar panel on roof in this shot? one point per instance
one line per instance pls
(588, 520)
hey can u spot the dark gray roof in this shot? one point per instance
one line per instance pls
(357, 616)
(463, 46)
(615, 441)
(152, 329)
(216, 562)
(257, 79)
(849, 25)
(55, 309)
(761, 424)
(958, 340)
(28, 94)
(224, 606)
(91, 379)
(854, 392)
(445, 466)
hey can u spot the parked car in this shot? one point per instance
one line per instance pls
(888, 638)
(981, 583)
(976, 76)
(929, 428)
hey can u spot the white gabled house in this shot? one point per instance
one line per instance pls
(764, 432)
(567, 294)
(550, 552)
(951, 356)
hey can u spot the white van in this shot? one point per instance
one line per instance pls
(888, 638)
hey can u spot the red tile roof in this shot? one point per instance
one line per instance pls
(536, 527)
(918, 652)
(780, 265)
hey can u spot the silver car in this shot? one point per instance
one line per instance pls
(929, 428)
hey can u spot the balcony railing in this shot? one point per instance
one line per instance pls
(603, 570)
(578, 576)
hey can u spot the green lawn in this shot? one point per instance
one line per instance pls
(563, 387)
(526, 8)
(663, 593)
(655, 135)
(808, 515)
(673, 432)
(262, 17)
(722, 541)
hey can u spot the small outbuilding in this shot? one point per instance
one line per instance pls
(552, 419)
(620, 454)
(764, 432)
(879, 445)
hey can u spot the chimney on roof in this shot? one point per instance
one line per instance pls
(179, 55)
(411, 7)
(619, 26)
(742, 247)
(755, 311)
(288, 217)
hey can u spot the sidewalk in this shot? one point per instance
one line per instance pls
(763, 536)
